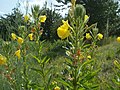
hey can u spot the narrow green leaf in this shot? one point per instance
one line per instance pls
(38, 71)
(38, 60)
(117, 64)
(85, 63)
(64, 83)
(117, 83)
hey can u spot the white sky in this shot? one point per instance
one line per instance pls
(41, 3)
(6, 6)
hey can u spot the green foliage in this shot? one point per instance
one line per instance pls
(51, 24)
(76, 63)
(10, 23)
(102, 12)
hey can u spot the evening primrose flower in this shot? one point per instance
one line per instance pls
(3, 60)
(63, 31)
(86, 18)
(17, 53)
(65, 24)
(31, 36)
(100, 36)
(42, 18)
(20, 40)
(57, 88)
(26, 18)
(118, 39)
(88, 36)
(13, 36)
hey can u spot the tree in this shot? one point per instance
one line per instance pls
(52, 22)
(104, 12)
(10, 23)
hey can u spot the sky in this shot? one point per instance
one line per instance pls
(6, 6)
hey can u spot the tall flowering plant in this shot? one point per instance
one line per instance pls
(80, 71)
(27, 47)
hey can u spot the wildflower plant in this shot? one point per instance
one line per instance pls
(26, 52)
(80, 72)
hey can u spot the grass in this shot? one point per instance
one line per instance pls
(104, 58)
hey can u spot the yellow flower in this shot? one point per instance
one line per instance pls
(17, 53)
(100, 36)
(42, 18)
(88, 36)
(13, 36)
(63, 33)
(118, 39)
(26, 18)
(88, 57)
(31, 36)
(86, 18)
(3, 60)
(20, 40)
(57, 88)
(65, 24)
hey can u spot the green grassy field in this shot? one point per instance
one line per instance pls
(18, 73)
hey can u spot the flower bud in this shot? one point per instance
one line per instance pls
(79, 12)
(118, 39)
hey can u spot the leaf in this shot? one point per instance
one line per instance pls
(85, 63)
(45, 60)
(91, 75)
(69, 62)
(37, 70)
(88, 76)
(48, 71)
(118, 83)
(117, 64)
(64, 83)
(85, 46)
(49, 80)
(90, 27)
(38, 60)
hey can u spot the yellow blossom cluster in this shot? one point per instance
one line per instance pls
(20, 41)
(41, 18)
(15, 37)
(99, 36)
